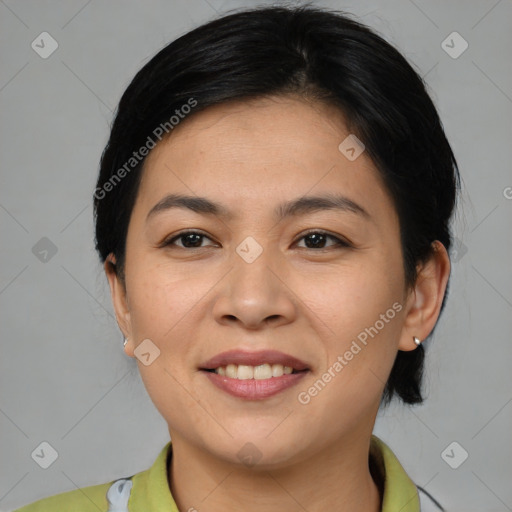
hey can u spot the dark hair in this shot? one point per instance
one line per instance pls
(319, 55)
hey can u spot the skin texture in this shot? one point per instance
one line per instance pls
(194, 303)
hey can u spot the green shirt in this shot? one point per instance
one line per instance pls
(150, 489)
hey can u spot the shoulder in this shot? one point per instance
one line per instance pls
(86, 499)
(148, 487)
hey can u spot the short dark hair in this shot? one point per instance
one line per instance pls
(318, 54)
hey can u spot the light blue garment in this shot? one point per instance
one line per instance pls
(118, 495)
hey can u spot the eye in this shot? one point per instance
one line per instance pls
(316, 240)
(190, 239)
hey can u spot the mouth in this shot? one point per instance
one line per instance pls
(259, 372)
(263, 364)
(254, 375)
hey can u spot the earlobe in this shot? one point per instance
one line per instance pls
(426, 298)
(118, 296)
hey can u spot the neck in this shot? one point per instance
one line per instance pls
(337, 478)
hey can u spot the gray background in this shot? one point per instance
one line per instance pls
(64, 376)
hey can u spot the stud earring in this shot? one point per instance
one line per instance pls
(417, 341)
(125, 342)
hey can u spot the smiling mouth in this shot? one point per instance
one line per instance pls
(259, 372)
(254, 382)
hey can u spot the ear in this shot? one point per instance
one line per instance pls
(119, 301)
(425, 299)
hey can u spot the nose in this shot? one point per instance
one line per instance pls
(255, 295)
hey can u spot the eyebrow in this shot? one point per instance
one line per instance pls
(300, 206)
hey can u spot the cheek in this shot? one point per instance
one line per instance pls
(162, 310)
(361, 308)
(160, 299)
(350, 299)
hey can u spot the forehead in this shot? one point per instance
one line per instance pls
(265, 125)
(247, 151)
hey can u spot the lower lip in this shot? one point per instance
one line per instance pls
(254, 389)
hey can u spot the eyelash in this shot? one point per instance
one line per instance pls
(339, 243)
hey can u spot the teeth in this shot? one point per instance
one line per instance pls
(245, 372)
(231, 371)
(263, 371)
(260, 372)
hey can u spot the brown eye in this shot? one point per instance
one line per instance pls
(189, 239)
(313, 240)
(317, 240)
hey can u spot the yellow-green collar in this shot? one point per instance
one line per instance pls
(400, 493)
(151, 489)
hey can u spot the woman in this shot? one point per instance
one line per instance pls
(272, 213)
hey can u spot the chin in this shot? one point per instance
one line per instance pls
(257, 452)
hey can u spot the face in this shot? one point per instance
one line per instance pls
(318, 283)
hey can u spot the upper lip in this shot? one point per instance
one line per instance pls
(253, 359)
